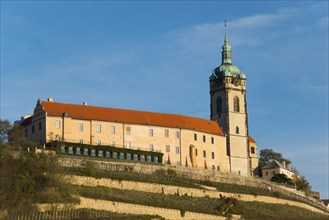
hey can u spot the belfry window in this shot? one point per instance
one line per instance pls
(219, 105)
(236, 104)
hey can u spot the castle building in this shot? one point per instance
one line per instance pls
(221, 144)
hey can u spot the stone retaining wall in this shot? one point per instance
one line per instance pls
(194, 173)
(177, 190)
(133, 209)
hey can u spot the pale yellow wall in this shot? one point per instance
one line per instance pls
(238, 146)
(105, 135)
(239, 166)
(51, 131)
(78, 135)
(139, 138)
(232, 93)
(238, 120)
(219, 149)
(254, 158)
(238, 141)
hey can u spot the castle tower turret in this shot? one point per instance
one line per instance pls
(228, 108)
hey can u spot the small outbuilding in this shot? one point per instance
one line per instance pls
(275, 167)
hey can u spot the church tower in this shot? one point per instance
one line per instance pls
(228, 108)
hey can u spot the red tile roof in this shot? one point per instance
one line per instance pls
(131, 117)
(252, 140)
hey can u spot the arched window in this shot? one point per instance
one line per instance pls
(237, 130)
(236, 104)
(219, 105)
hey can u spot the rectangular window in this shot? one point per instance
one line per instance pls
(98, 128)
(112, 129)
(212, 140)
(196, 152)
(151, 147)
(204, 153)
(178, 163)
(33, 129)
(204, 138)
(40, 125)
(128, 130)
(128, 144)
(58, 124)
(166, 133)
(98, 142)
(81, 141)
(150, 132)
(80, 127)
(167, 148)
(266, 173)
(212, 155)
(252, 150)
(113, 143)
(195, 137)
(177, 150)
(177, 134)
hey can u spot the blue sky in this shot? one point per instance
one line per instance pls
(157, 56)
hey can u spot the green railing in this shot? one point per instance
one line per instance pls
(103, 151)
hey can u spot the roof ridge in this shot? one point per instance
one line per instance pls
(130, 110)
(132, 116)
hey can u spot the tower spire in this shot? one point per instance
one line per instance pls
(226, 49)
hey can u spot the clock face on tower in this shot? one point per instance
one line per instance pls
(236, 82)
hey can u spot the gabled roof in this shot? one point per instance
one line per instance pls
(273, 164)
(85, 112)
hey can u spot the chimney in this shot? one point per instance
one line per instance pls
(50, 99)
(289, 167)
(284, 164)
(85, 103)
